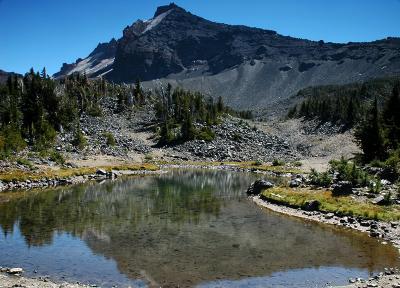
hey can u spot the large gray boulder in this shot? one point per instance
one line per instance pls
(258, 186)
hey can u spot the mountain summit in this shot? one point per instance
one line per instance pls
(246, 66)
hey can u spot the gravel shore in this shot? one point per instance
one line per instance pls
(8, 281)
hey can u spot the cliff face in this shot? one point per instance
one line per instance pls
(249, 67)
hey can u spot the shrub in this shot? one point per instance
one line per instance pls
(205, 134)
(349, 171)
(236, 137)
(44, 136)
(79, 140)
(394, 161)
(297, 164)
(148, 157)
(277, 162)
(11, 140)
(375, 187)
(323, 179)
(25, 162)
(110, 140)
(57, 157)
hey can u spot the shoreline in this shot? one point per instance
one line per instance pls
(391, 229)
(81, 175)
(16, 280)
(389, 278)
(72, 176)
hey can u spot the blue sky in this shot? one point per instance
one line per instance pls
(38, 33)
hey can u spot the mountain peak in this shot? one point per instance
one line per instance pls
(165, 8)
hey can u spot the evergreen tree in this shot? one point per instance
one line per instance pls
(188, 130)
(370, 135)
(391, 118)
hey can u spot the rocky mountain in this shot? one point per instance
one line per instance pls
(248, 67)
(4, 76)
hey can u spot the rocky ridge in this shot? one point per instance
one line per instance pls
(248, 67)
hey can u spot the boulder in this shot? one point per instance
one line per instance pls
(342, 188)
(259, 185)
(295, 183)
(101, 172)
(380, 200)
(15, 271)
(312, 205)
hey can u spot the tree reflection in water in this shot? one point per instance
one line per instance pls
(186, 227)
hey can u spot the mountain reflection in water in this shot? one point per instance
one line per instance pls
(186, 227)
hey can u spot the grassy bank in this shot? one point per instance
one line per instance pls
(21, 175)
(345, 206)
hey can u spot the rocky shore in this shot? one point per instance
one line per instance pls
(11, 277)
(385, 232)
(48, 182)
(390, 278)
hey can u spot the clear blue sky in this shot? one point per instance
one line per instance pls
(37, 33)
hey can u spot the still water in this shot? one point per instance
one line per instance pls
(186, 228)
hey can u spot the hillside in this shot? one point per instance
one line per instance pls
(248, 67)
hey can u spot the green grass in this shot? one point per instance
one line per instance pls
(345, 206)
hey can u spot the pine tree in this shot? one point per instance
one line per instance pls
(220, 104)
(188, 130)
(391, 118)
(370, 135)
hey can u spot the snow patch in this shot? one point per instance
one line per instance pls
(88, 65)
(155, 21)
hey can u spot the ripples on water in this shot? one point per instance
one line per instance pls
(186, 227)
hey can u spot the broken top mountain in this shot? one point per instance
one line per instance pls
(248, 67)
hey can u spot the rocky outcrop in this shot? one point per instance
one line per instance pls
(4, 76)
(258, 186)
(248, 67)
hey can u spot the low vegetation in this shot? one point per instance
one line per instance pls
(341, 170)
(344, 206)
(184, 115)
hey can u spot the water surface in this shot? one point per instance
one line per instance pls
(187, 228)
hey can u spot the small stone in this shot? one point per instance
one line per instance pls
(378, 200)
(352, 280)
(329, 216)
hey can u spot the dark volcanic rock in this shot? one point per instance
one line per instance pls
(248, 67)
(312, 205)
(342, 188)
